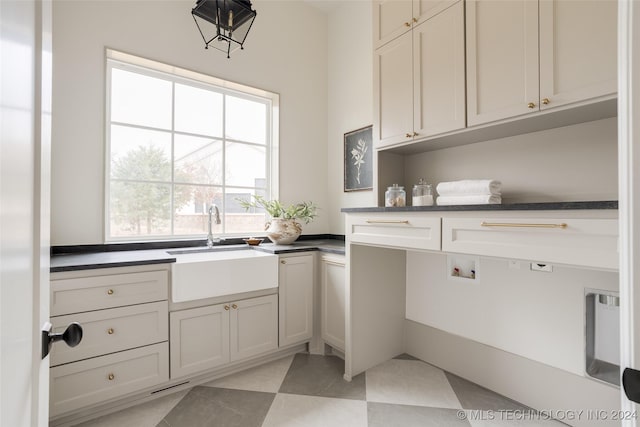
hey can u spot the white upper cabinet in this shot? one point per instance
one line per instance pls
(502, 59)
(439, 73)
(578, 55)
(524, 56)
(391, 18)
(419, 79)
(393, 92)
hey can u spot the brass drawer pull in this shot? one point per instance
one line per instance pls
(387, 221)
(111, 377)
(226, 307)
(110, 331)
(283, 262)
(234, 306)
(522, 225)
(110, 292)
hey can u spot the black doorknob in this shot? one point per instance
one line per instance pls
(72, 336)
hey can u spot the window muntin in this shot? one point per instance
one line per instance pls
(175, 145)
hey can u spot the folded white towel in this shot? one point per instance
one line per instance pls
(470, 187)
(486, 199)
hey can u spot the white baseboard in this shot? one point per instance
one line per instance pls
(532, 383)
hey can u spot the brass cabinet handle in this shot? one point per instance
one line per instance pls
(408, 135)
(521, 225)
(234, 306)
(407, 24)
(415, 19)
(545, 101)
(110, 292)
(531, 105)
(387, 221)
(283, 261)
(111, 377)
(226, 307)
(110, 331)
(415, 134)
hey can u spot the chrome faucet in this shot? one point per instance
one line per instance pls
(213, 211)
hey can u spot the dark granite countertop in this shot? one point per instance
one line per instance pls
(328, 246)
(93, 260)
(127, 258)
(547, 206)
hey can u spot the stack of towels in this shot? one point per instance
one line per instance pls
(469, 192)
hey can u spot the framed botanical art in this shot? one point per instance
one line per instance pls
(358, 159)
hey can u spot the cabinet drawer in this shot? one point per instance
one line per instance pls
(584, 242)
(102, 378)
(395, 231)
(96, 292)
(116, 329)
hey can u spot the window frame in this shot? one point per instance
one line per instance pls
(146, 67)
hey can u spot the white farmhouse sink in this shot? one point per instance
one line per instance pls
(212, 273)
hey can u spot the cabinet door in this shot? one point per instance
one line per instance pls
(425, 9)
(99, 379)
(112, 330)
(332, 289)
(502, 59)
(199, 339)
(438, 73)
(253, 327)
(296, 299)
(393, 92)
(578, 46)
(391, 18)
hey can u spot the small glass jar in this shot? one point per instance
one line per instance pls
(422, 194)
(395, 196)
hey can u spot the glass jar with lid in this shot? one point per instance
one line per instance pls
(395, 196)
(422, 194)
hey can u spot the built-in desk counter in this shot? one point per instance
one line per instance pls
(384, 246)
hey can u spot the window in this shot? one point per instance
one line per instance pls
(178, 141)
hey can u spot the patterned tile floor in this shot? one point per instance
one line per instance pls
(308, 391)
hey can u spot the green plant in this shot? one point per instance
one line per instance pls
(305, 211)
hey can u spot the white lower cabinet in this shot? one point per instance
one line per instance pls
(207, 337)
(332, 300)
(124, 348)
(91, 381)
(403, 230)
(295, 296)
(253, 327)
(581, 242)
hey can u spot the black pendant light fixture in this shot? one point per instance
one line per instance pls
(225, 23)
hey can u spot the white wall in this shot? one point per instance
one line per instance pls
(285, 52)
(350, 95)
(570, 163)
(537, 315)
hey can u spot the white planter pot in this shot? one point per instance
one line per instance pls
(283, 231)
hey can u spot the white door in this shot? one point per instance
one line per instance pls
(253, 327)
(577, 61)
(502, 59)
(25, 101)
(438, 73)
(295, 298)
(391, 18)
(393, 92)
(629, 199)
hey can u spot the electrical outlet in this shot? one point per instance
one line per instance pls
(536, 266)
(514, 265)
